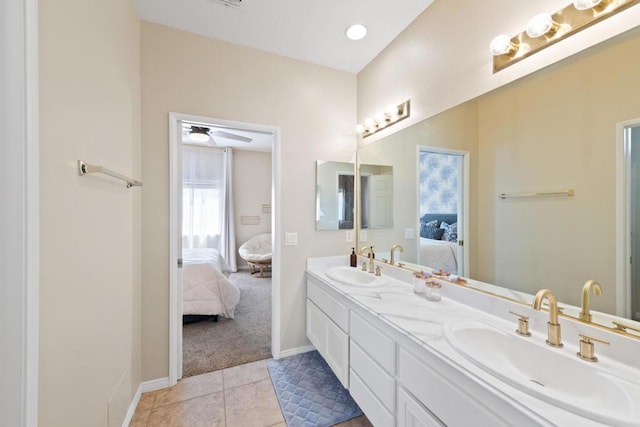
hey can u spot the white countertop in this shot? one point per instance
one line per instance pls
(422, 321)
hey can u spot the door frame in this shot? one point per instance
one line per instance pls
(623, 221)
(466, 161)
(20, 211)
(175, 238)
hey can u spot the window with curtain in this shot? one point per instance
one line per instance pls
(202, 197)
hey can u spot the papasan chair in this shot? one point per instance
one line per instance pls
(257, 253)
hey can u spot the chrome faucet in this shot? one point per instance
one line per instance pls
(393, 249)
(585, 313)
(553, 327)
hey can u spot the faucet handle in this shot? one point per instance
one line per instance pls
(378, 270)
(523, 324)
(587, 347)
(364, 266)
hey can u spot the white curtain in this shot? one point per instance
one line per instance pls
(228, 235)
(207, 201)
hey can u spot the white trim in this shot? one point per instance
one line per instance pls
(175, 321)
(623, 273)
(20, 212)
(466, 162)
(33, 214)
(294, 351)
(157, 384)
(144, 387)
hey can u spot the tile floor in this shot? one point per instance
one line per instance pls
(241, 396)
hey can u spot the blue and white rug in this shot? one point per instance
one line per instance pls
(309, 393)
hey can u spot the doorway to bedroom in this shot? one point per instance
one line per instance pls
(442, 209)
(223, 183)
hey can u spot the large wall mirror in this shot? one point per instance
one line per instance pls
(549, 132)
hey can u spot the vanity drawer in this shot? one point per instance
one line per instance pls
(381, 384)
(375, 344)
(435, 386)
(370, 405)
(336, 311)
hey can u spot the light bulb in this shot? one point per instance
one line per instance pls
(360, 129)
(369, 123)
(380, 118)
(586, 4)
(540, 25)
(502, 45)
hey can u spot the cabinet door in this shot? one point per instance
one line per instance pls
(413, 414)
(330, 341)
(337, 352)
(315, 326)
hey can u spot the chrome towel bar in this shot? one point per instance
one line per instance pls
(85, 168)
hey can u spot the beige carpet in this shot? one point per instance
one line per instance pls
(211, 346)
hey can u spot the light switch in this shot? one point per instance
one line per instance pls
(349, 236)
(291, 239)
(363, 236)
(408, 234)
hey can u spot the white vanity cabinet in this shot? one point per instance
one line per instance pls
(372, 364)
(327, 329)
(395, 380)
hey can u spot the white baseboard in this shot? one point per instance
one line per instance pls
(294, 351)
(144, 387)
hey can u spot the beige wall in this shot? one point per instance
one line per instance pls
(442, 59)
(313, 106)
(90, 246)
(252, 189)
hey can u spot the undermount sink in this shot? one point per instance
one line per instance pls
(556, 376)
(354, 276)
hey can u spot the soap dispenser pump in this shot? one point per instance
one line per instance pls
(353, 258)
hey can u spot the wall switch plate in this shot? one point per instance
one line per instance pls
(363, 236)
(408, 234)
(349, 236)
(291, 239)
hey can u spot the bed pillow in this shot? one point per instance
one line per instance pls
(431, 231)
(450, 231)
(425, 225)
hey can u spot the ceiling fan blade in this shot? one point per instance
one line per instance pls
(233, 136)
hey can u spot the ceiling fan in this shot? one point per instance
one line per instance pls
(204, 134)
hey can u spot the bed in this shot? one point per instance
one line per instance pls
(439, 242)
(206, 288)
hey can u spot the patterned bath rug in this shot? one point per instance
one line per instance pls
(309, 393)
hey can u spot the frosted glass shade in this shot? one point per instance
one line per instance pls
(539, 25)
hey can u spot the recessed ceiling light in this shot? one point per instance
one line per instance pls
(356, 32)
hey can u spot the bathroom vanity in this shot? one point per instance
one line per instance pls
(409, 361)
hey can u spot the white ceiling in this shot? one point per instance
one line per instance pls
(308, 30)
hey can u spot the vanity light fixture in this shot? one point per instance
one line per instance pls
(384, 119)
(545, 29)
(356, 32)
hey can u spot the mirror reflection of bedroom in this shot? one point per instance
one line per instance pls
(226, 246)
(440, 202)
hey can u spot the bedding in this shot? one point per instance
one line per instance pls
(439, 254)
(206, 289)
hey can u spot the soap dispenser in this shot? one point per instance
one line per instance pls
(353, 258)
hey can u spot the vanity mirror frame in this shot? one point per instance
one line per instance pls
(611, 122)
